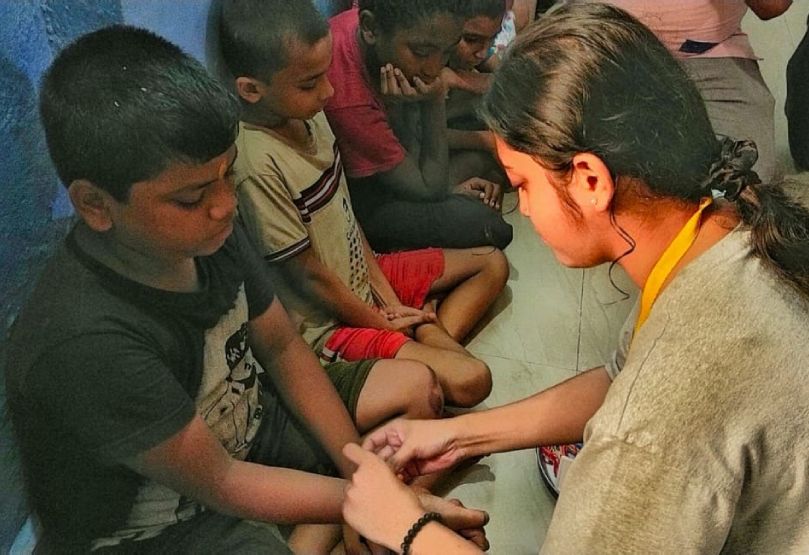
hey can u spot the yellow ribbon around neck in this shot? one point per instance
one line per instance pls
(664, 266)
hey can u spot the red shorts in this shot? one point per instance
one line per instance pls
(411, 274)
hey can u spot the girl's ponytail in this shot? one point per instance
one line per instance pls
(779, 226)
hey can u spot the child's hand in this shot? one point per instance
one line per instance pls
(417, 447)
(451, 78)
(487, 191)
(399, 311)
(462, 80)
(405, 318)
(468, 523)
(382, 508)
(377, 504)
(395, 87)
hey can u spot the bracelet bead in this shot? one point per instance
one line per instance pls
(416, 528)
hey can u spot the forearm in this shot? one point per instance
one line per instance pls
(434, 155)
(435, 538)
(308, 391)
(474, 82)
(384, 295)
(313, 280)
(339, 301)
(303, 383)
(194, 463)
(553, 416)
(470, 140)
(271, 494)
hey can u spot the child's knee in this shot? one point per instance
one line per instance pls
(499, 232)
(427, 397)
(473, 385)
(497, 266)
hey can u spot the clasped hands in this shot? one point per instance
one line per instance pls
(381, 507)
(405, 319)
(395, 87)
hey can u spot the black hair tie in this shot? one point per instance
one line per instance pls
(733, 172)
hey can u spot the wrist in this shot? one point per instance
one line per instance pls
(432, 539)
(419, 528)
(394, 535)
(489, 143)
(381, 321)
(462, 436)
(437, 99)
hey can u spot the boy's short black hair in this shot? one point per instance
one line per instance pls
(254, 35)
(490, 8)
(119, 105)
(393, 15)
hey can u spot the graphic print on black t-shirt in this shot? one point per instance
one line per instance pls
(236, 347)
(227, 400)
(228, 394)
(241, 379)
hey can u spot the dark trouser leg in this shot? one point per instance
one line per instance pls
(797, 104)
(456, 222)
(739, 104)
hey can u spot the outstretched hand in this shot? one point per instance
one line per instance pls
(377, 504)
(382, 508)
(415, 447)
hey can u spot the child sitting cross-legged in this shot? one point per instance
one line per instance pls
(159, 393)
(294, 201)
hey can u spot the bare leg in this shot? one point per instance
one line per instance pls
(465, 380)
(473, 278)
(398, 388)
(314, 538)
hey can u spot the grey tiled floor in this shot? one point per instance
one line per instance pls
(558, 321)
(554, 322)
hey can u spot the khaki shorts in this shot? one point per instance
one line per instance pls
(283, 441)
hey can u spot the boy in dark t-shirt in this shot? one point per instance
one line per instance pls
(150, 371)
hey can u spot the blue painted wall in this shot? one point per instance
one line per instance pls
(34, 211)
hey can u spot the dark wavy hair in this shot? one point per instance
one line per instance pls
(393, 15)
(121, 104)
(489, 8)
(591, 78)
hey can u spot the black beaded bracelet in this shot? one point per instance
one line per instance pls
(416, 528)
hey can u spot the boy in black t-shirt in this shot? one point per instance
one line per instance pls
(146, 370)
